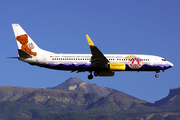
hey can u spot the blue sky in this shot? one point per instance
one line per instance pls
(116, 27)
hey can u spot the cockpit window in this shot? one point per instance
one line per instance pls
(163, 59)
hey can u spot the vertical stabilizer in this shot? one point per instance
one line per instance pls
(25, 43)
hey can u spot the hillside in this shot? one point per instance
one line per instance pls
(118, 101)
(74, 83)
(76, 98)
(171, 102)
(13, 93)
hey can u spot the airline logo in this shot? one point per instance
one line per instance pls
(117, 65)
(30, 46)
(135, 63)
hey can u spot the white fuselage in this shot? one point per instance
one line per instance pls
(83, 61)
(97, 62)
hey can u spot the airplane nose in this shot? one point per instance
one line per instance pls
(170, 64)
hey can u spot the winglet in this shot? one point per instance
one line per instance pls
(89, 41)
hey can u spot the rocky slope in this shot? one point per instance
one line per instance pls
(74, 92)
(75, 83)
(13, 93)
(76, 95)
(118, 101)
(171, 102)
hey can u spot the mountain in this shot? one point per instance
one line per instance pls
(118, 101)
(72, 91)
(29, 103)
(171, 102)
(74, 83)
(75, 98)
(13, 93)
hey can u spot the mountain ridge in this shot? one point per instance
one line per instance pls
(77, 95)
(74, 83)
(170, 102)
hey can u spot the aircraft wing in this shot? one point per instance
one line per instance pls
(98, 59)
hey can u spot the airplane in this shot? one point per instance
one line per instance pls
(95, 63)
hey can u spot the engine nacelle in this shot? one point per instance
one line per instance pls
(110, 68)
(117, 66)
(106, 73)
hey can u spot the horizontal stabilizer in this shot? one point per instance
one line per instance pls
(12, 57)
(24, 54)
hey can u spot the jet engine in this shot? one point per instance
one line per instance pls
(110, 68)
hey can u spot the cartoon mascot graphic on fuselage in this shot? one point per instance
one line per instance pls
(27, 47)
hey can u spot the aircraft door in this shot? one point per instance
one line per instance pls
(44, 60)
(156, 61)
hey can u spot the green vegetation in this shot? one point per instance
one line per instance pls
(21, 110)
(17, 110)
(54, 110)
(66, 116)
(18, 103)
